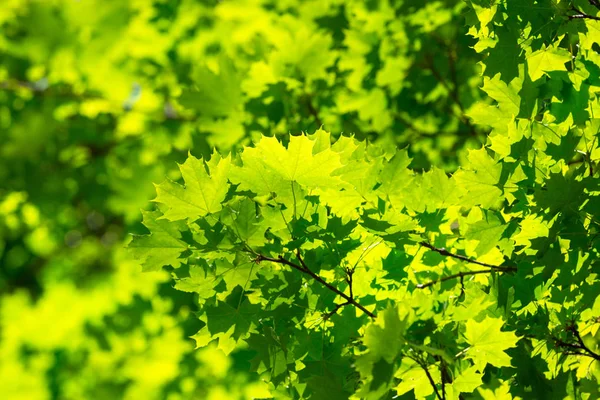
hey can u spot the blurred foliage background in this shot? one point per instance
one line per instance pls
(98, 99)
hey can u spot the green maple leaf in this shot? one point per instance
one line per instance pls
(385, 337)
(205, 188)
(532, 227)
(506, 56)
(241, 216)
(481, 182)
(395, 179)
(214, 94)
(441, 190)
(236, 311)
(271, 168)
(395, 175)
(198, 282)
(545, 60)
(488, 232)
(507, 96)
(162, 247)
(488, 343)
(326, 388)
(467, 381)
(487, 115)
(238, 273)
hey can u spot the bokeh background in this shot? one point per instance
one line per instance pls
(99, 99)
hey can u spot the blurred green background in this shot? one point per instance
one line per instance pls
(99, 99)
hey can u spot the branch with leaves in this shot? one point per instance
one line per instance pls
(302, 267)
(577, 347)
(442, 251)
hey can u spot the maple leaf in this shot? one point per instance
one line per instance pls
(271, 168)
(488, 343)
(235, 313)
(481, 181)
(545, 60)
(162, 247)
(205, 188)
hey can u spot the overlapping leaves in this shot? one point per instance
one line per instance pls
(294, 251)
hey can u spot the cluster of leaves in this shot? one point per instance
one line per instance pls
(345, 271)
(482, 282)
(100, 99)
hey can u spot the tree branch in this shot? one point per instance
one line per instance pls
(577, 349)
(305, 270)
(573, 329)
(584, 16)
(445, 252)
(329, 314)
(429, 377)
(461, 275)
(581, 15)
(443, 373)
(454, 276)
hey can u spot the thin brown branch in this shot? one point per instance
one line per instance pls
(349, 274)
(445, 252)
(575, 353)
(329, 314)
(454, 276)
(576, 349)
(581, 15)
(584, 16)
(443, 373)
(304, 269)
(461, 275)
(429, 377)
(573, 329)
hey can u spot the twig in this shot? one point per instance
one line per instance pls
(445, 252)
(454, 276)
(349, 275)
(304, 269)
(429, 377)
(443, 373)
(461, 275)
(581, 15)
(573, 329)
(579, 348)
(584, 16)
(329, 314)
